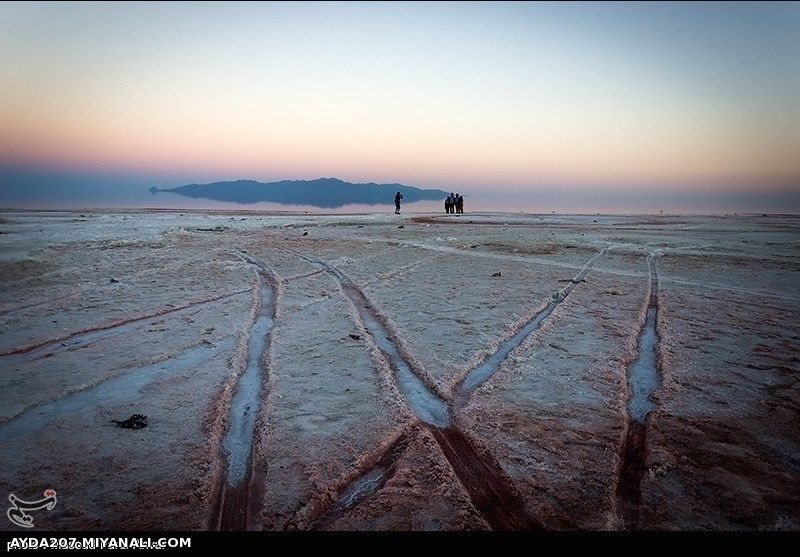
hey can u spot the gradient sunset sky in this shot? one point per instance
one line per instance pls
(659, 100)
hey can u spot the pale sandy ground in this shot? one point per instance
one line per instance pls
(168, 338)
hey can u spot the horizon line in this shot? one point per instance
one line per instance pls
(477, 212)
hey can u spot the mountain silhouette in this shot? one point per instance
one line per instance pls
(322, 192)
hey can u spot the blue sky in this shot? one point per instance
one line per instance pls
(512, 99)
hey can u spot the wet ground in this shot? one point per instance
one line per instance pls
(424, 372)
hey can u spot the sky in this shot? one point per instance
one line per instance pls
(692, 107)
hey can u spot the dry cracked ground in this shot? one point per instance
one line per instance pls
(414, 372)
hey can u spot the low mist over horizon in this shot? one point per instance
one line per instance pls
(30, 189)
(568, 107)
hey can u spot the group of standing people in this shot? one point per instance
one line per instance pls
(454, 203)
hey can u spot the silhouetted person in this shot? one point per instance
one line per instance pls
(450, 203)
(459, 203)
(397, 197)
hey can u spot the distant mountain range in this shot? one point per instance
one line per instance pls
(322, 192)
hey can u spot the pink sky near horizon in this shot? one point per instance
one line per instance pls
(426, 165)
(428, 95)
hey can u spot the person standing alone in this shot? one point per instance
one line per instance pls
(397, 197)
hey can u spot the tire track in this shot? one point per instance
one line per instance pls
(85, 337)
(486, 254)
(489, 489)
(643, 380)
(397, 271)
(239, 490)
(752, 292)
(482, 372)
(415, 386)
(114, 390)
(302, 275)
(364, 484)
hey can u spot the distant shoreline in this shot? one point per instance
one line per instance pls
(467, 215)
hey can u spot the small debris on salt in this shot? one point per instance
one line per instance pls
(497, 274)
(136, 421)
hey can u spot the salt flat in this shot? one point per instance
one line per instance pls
(368, 413)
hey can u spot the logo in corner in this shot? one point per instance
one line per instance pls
(17, 512)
